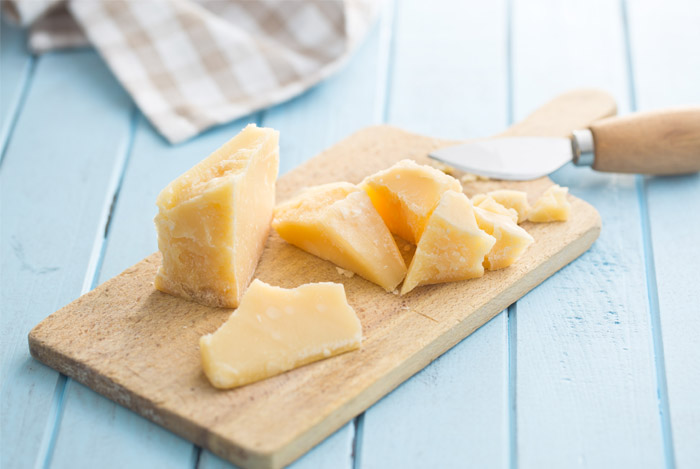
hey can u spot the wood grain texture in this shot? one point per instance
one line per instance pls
(584, 380)
(662, 142)
(272, 422)
(665, 76)
(50, 226)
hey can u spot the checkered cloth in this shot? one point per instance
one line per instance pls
(192, 64)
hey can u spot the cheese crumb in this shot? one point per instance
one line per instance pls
(447, 169)
(345, 273)
(551, 206)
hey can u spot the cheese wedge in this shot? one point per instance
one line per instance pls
(452, 247)
(511, 239)
(517, 200)
(338, 222)
(276, 329)
(487, 202)
(214, 219)
(406, 194)
(551, 206)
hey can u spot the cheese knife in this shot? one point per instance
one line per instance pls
(656, 142)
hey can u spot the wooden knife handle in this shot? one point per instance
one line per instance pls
(656, 142)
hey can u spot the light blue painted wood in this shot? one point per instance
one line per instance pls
(96, 432)
(334, 452)
(674, 211)
(558, 46)
(15, 70)
(450, 414)
(666, 75)
(585, 378)
(64, 152)
(666, 63)
(448, 78)
(134, 441)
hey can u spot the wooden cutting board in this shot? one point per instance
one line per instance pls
(139, 347)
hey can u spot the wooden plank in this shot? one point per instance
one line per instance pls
(439, 417)
(116, 439)
(16, 65)
(658, 37)
(585, 385)
(676, 257)
(448, 76)
(53, 184)
(334, 452)
(665, 76)
(307, 124)
(451, 82)
(271, 422)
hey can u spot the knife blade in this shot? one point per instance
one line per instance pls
(655, 142)
(512, 158)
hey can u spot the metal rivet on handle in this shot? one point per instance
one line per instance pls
(583, 147)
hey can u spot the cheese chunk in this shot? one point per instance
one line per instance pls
(452, 247)
(214, 219)
(551, 206)
(517, 200)
(487, 202)
(338, 222)
(406, 194)
(511, 239)
(276, 329)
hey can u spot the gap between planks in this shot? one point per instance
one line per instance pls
(512, 332)
(654, 312)
(387, 45)
(92, 273)
(511, 321)
(649, 266)
(16, 108)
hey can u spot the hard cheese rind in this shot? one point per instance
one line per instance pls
(338, 222)
(214, 219)
(276, 329)
(406, 194)
(452, 247)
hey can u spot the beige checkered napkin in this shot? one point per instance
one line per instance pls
(192, 64)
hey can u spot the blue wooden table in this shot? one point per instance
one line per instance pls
(597, 367)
